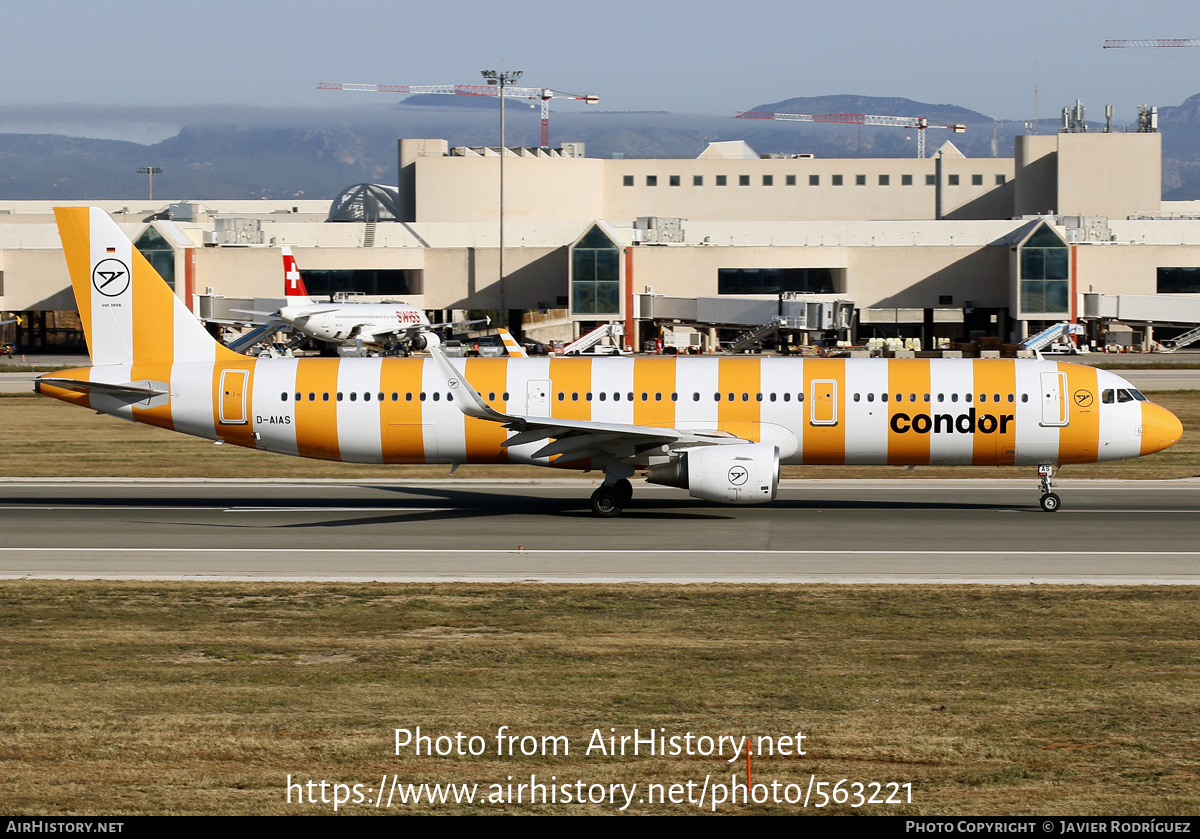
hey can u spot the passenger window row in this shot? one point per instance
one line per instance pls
(1109, 396)
(603, 396)
(367, 396)
(941, 397)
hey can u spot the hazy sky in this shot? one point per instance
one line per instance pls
(708, 56)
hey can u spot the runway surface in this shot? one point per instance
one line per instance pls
(983, 531)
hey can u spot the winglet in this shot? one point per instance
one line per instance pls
(469, 401)
(511, 346)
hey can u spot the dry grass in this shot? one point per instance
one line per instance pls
(46, 438)
(202, 698)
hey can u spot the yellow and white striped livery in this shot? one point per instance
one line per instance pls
(719, 427)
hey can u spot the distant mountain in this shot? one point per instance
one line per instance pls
(316, 153)
(877, 105)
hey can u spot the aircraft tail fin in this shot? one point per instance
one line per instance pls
(293, 283)
(129, 314)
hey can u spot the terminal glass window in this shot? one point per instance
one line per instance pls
(652, 180)
(885, 180)
(158, 253)
(774, 280)
(999, 180)
(906, 180)
(697, 180)
(627, 180)
(743, 180)
(1045, 274)
(791, 180)
(930, 180)
(768, 180)
(720, 180)
(860, 180)
(674, 180)
(977, 180)
(1179, 280)
(370, 281)
(837, 180)
(814, 180)
(595, 275)
(952, 180)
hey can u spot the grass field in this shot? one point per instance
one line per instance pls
(125, 698)
(203, 698)
(46, 438)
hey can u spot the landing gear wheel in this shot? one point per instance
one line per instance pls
(606, 502)
(1051, 502)
(624, 491)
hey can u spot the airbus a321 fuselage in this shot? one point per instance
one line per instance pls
(718, 427)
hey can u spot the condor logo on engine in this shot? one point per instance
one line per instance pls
(966, 423)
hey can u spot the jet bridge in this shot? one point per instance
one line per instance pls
(1154, 310)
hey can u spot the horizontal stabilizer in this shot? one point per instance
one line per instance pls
(256, 312)
(131, 391)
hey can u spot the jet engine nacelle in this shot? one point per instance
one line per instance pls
(746, 473)
(426, 340)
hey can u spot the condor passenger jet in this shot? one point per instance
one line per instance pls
(717, 427)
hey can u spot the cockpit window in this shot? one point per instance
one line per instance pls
(1108, 396)
(1137, 394)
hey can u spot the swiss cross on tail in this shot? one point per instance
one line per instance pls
(293, 285)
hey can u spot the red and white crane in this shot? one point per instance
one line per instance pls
(544, 94)
(1151, 42)
(919, 123)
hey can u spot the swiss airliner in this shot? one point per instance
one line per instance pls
(335, 322)
(718, 427)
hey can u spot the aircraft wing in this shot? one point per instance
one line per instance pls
(573, 439)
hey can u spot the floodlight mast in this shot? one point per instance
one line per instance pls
(502, 79)
(151, 171)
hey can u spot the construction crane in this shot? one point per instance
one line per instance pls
(544, 94)
(1152, 42)
(919, 123)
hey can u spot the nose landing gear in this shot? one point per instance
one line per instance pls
(1050, 502)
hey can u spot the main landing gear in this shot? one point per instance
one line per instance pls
(610, 499)
(1050, 502)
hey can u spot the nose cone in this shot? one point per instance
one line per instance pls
(1162, 429)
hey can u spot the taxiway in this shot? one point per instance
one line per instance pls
(983, 531)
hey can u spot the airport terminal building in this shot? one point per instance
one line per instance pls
(942, 249)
